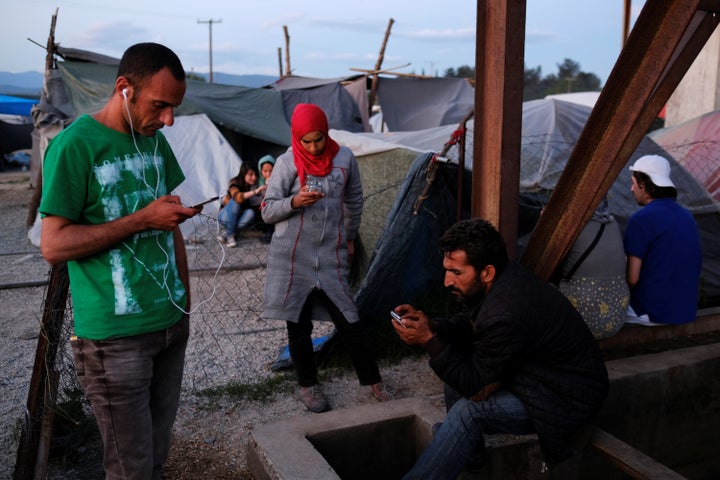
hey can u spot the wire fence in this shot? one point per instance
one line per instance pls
(229, 341)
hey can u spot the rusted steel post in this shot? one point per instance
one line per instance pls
(499, 64)
(666, 38)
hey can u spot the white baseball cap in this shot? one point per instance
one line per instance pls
(655, 167)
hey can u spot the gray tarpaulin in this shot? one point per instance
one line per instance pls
(550, 131)
(420, 103)
(256, 112)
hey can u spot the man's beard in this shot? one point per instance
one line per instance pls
(474, 296)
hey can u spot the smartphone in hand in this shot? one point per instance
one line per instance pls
(397, 318)
(204, 202)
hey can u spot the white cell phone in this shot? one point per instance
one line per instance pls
(397, 318)
(206, 201)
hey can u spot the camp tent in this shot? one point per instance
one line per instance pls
(355, 86)
(254, 114)
(207, 160)
(405, 255)
(695, 144)
(412, 104)
(549, 132)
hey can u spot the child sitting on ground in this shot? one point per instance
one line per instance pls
(241, 204)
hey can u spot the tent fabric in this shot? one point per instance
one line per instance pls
(403, 245)
(410, 104)
(405, 264)
(582, 98)
(256, 112)
(355, 85)
(358, 91)
(293, 82)
(695, 144)
(339, 106)
(550, 131)
(206, 158)
(208, 162)
(10, 105)
(15, 137)
(78, 55)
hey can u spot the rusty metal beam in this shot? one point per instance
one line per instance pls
(666, 39)
(499, 68)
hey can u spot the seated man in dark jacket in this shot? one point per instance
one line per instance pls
(519, 353)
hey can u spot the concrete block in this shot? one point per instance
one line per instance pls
(380, 440)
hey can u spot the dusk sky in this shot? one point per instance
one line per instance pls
(327, 39)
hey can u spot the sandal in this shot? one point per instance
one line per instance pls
(385, 394)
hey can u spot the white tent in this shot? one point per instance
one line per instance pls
(206, 158)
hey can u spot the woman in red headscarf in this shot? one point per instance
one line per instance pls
(314, 199)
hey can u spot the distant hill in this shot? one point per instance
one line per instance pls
(25, 84)
(28, 84)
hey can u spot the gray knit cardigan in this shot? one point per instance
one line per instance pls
(309, 245)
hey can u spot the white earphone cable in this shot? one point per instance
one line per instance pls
(154, 192)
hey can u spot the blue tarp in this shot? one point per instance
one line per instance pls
(10, 105)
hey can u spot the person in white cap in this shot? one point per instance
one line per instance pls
(662, 247)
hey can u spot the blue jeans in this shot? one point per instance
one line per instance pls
(461, 434)
(234, 217)
(133, 385)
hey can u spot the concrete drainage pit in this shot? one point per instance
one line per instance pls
(385, 449)
(380, 440)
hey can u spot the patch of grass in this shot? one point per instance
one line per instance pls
(15, 179)
(281, 383)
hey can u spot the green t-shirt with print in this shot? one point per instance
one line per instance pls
(93, 174)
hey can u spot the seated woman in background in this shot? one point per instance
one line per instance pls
(265, 167)
(241, 204)
(592, 274)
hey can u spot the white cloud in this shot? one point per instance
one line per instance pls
(466, 33)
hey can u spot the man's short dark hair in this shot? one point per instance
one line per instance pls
(643, 180)
(143, 60)
(480, 241)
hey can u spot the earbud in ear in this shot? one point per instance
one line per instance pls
(124, 93)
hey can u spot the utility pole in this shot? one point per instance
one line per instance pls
(210, 24)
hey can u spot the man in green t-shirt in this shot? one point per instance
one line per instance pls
(108, 212)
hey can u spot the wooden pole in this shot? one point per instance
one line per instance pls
(280, 61)
(626, 22)
(50, 48)
(43, 384)
(288, 70)
(381, 57)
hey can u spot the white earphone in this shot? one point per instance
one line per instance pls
(124, 93)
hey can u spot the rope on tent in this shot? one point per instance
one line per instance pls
(455, 137)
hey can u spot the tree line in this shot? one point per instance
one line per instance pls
(569, 78)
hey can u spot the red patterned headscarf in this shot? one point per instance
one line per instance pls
(308, 118)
